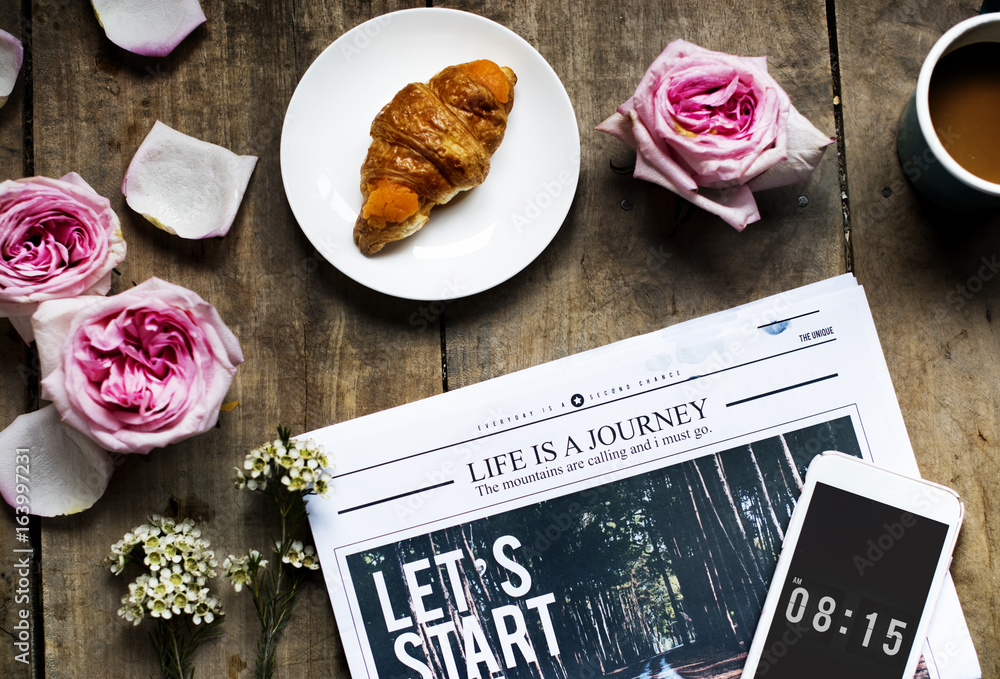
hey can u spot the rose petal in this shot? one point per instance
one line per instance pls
(50, 467)
(717, 160)
(655, 154)
(11, 58)
(806, 145)
(186, 186)
(620, 127)
(734, 204)
(76, 180)
(23, 326)
(51, 323)
(151, 28)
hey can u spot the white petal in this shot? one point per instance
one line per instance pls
(59, 470)
(806, 145)
(152, 28)
(51, 324)
(76, 180)
(23, 326)
(11, 57)
(186, 186)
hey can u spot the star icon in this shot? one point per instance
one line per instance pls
(577, 400)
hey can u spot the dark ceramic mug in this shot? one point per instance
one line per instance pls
(925, 161)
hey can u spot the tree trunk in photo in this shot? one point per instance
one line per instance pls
(640, 624)
(771, 534)
(600, 649)
(792, 466)
(663, 570)
(779, 477)
(680, 618)
(676, 518)
(733, 587)
(719, 621)
(732, 520)
(774, 523)
(771, 531)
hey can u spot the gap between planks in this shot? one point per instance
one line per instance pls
(838, 117)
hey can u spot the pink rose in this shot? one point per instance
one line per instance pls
(138, 370)
(713, 128)
(58, 238)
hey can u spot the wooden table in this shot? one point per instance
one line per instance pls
(321, 348)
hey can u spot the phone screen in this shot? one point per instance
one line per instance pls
(856, 587)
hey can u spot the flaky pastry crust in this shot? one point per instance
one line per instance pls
(433, 139)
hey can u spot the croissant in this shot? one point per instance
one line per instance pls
(430, 142)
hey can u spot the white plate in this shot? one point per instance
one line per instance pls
(482, 237)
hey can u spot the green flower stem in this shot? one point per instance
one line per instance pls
(274, 609)
(175, 641)
(176, 663)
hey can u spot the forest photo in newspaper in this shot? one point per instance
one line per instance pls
(654, 576)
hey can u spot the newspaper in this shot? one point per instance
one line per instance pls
(614, 513)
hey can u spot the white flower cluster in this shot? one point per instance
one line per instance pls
(179, 562)
(240, 570)
(301, 557)
(300, 466)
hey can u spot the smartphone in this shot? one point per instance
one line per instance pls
(862, 563)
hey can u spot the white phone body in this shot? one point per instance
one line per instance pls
(861, 566)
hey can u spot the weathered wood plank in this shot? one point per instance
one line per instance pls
(15, 375)
(14, 602)
(929, 283)
(315, 351)
(613, 273)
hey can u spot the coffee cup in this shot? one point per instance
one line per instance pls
(931, 158)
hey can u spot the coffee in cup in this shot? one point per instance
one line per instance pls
(949, 132)
(964, 100)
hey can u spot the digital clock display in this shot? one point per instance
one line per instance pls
(856, 586)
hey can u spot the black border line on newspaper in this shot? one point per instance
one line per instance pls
(790, 318)
(783, 389)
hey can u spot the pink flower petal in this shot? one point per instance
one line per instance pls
(11, 58)
(151, 28)
(734, 204)
(76, 180)
(806, 145)
(186, 186)
(51, 323)
(620, 127)
(50, 467)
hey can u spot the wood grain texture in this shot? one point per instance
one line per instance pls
(316, 350)
(613, 273)
(15, 375)
(928, 275)
(15, 367)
